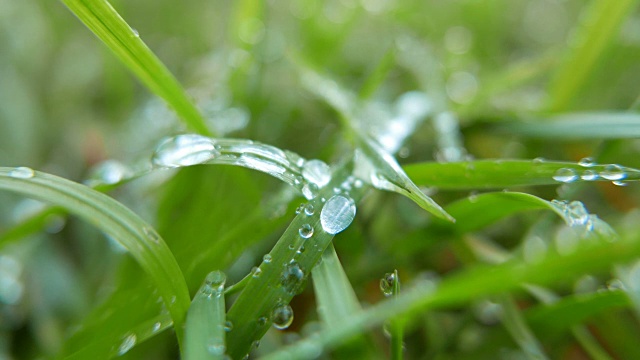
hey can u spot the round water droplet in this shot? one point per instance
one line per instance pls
(310, 191)
(337, 214)
(309, 210)
(282, 317)
(184, 150)
(300, 208)
(151, 234)
(306, 231)
(387, 284)
(589, 175)
(262, 321)
(256, 272)
(587, 162)
(127, 343)
(300, 250)
(317, 172)
(613, 172)
(214, 283)
(292, 278)
(228, 325)
(267, 258)
(22, 173)
(217, 349)
(565, 175)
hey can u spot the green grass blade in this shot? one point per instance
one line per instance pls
(124, 226)
(334, 294)
(575, 126)
(491, 174)
(470, 284)
(377, 77)
(204, 333)
(602, 21)
(516, 326)
(105, 22)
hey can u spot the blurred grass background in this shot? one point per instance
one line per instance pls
(66, 104)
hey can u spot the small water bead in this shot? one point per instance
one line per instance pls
(306, 231)
(387, 283)
(317, 172)
(22, 173)
(337, 214)
(156, 327)
(300, 250)
(127, 344)
(262, 321)
(587, 162)
(217, 349)
(214, 283)
(613, 172)
(294, 158)
(109, 172)
(565, 175)
(256, 272)
(151, 234)
(619, 183)
(539, 160)
(282, 317)
(184, 150)
(357, 183)
(267, 258)
(228, 325)
(310, 191)
(309, 210)
(292, 278)
(300, 208)
(589, 175)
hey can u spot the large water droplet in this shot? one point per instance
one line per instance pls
(266, 258)
(256, 272)
(337, 214)
(214, 283)
(310, 191)
(317, 172)
(184, 150)
(282, 317)
(306, 231)
(22, 173)
(565, 175)
(387, 283)
(613, 172)
(127, 343)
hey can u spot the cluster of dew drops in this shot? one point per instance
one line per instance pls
(613, 172)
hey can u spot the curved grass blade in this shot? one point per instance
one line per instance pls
(204, 333)
(124, 226)
(516, 326)
(469, 284)
(491, 174)
(105, 22)
(575, 126)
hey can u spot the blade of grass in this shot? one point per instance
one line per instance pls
(488, 174)
(602, 20)
(204, 333)
(105, 22)
(376, 78)
(144, 243)
(516, 326)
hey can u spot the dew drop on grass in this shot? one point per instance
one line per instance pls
(151, 234)
(217, 349)
(337, 214)
(539, 160)
(292, 278)
(267, 258)
(109, 172)
(565, 175)
(184, 150)
(309, 209)
(282, 317)
(317, 172)
(299, 208)
(357, 183)
(310, 191)
(387, 283)
(214, 283)
(156, 327)
(22, 173)
(262, 321)
(587, 162)
(127, 343)
(306, 231)
(589, 175)
(228, 325)
(613, 172)
(619, 183)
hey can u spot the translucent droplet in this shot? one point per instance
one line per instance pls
(262, 321)
(266, 258)
(127, 343)
(587, 162)
(228, 325)
(217, 349)
(294, 158)
(300, 250)
(589, 175)
(387, 283)
(292, 278)
(184, 150)
(156, 327)
(22, 173)
(310, 191)
(619, 183)
(539, 160)
(337, 214)
(109, 172)
(306, 231)
(214, 283)
(613, 172)
(300, 208)
(357, 183)
(151, 234)
(317, 172)
(135, 32)
(256, 272)
(282, 317)
(309, 209)
(565, 175)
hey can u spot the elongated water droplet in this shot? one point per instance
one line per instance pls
(266, 258)
(310, 191)
(565, 175)
(292, 278)
(156, 327)
(127, 343)
(151, 234)
(282, 317)
(387, 284)
(587, 162)
(306, 231)
(22, 173)
(589, 175)
(619, 183)
(184, 150)
(613, 172)
(317, 172)
(337, 214)
(228, 325)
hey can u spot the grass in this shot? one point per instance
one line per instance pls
(460, 152)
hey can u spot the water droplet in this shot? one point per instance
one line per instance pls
(228, 325)
(127, 343)
(266, 258)
(108, 172)
(616, 285)
(294, 158)
(184, 150)
(217, 349)
(619, 183)
(306, 231)
(309, 209)
(292, 278)
(262, 321)
(135, 32)
(151, 234)
(613, 172)
(357, 183)
(156, 327)
(387, 283)
(337, 214)
(256, 272)
(282, 317)
(214, 283)
(317, 172)
(539, 160)
(587, 162)
(22, 173)
(291, 247)
(565, 175)
(299, 208)
(589, 175)
(310, 191)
